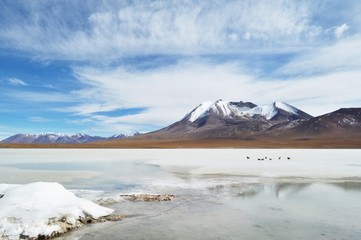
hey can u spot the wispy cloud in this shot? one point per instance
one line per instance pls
(341, 30)
(109, 30)
(340, 56)
(39, 119)
(16, 82)
(43, 97)
(89, 108)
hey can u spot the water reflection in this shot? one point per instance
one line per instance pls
(240, 211)
(282, 189)
(348, 186)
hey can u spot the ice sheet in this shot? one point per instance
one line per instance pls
(310, 163)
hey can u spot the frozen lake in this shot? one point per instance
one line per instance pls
(221, 193)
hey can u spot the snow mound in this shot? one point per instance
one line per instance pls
(41, 208)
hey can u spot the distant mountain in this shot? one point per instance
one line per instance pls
(121, 136)
(343, 122)
(224, 119)
(60, 138)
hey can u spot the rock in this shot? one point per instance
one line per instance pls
(113, 217)
(148, 197)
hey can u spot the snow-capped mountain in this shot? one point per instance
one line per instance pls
(277, 121)
(51, 138)
(245, 110)
(227, 119)
(121, 136)
(60, 138)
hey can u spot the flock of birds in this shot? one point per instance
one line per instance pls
(270, 159)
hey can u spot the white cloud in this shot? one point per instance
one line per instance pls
(343, 55)
(88, 108)
(112, 30)
(39, 119)
(42, 97)
(16, 82)
(341, 30)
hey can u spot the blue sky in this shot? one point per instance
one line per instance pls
(109, 67)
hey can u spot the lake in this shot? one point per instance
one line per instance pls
(220, 193)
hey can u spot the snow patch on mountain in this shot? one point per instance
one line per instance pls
(222, 107)
(228, 109)
(286, 107)
(200, 111)
(267, 111)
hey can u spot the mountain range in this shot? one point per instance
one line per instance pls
(61, 138)
(219, 121)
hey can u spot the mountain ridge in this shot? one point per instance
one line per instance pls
(239, 124)
(60, 138)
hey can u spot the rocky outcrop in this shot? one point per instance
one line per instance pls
(65, 225)
(148, 197)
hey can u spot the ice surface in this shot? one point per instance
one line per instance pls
(126, 166)
(310, 163)
(304, 162)
(28, 209)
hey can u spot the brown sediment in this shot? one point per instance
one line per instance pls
(327, 142)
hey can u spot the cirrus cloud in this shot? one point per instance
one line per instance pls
(109, 30)
(16, 82)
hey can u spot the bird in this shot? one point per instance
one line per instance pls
(247, 157)
(288, 158)
(279, 158)
(270, 159)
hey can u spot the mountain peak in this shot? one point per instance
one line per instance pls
(199, 111)
(229, 110)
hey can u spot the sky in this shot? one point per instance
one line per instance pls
(111, 67)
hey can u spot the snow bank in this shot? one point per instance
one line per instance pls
(42, 208)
